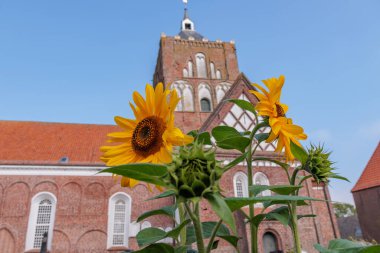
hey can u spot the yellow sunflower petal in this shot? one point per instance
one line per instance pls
(261, 89)
(133, 182)
(141, 104)
(165, 156)
(127, 124)
(124, 182)
(150, 98)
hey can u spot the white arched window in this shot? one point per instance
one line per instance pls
(218, 74)
(221, 90)
(261, 179)
(190, 68)
(179, 106)
(41, 220)
(145, 224)
(219, 94)
(201, 65)
(119, 215)
(204, 95)
(185, 73)
(187, 98)
(212, 70)
(240, 185)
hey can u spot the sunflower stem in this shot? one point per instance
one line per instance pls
(182, 218)
(293, 215)
(194, 216)
(250, 152)
(294, 221)
(213, 235)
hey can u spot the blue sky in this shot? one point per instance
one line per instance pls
(79, 61)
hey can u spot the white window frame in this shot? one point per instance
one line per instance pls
(218, 74)
(111, 217)
(190, 68)
(212, 70)
(263, 193)
(200, 60)
(204, 91)
(32, 223)
(244, 179)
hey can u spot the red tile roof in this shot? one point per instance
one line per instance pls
(371, 174)
(41, 143)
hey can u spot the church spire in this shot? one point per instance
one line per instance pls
(187, 26)
(187, 23)
(185, 16)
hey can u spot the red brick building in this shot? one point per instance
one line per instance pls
(367, 198)
(47, 170)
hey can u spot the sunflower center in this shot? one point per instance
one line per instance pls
(147, 136)
(280, 111)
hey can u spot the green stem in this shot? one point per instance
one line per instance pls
(213, 235)
(294, 218)
(294, 221)
(254, 229)
(182, 217)
(194, 216)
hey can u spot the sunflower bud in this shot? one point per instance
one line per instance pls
(194, 171)
(318, 164)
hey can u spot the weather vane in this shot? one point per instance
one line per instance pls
(185, 2)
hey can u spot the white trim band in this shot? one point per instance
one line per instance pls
(48, 170)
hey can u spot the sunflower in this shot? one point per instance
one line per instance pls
(150, 137)
(284, 131)
(271, 109)
(269, 101)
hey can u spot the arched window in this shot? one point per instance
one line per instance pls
(240, 185)
(270, 243)
(185, 73)
(188, 100)
(221, 90)
(205, 105)
(201, 65)
(145, 224)
(261, 179)
(204, 94)
(212, 70)
(218, 74)
(119, 214)
(190, 68)
(179, 106)
(219, 95)
(41, 220)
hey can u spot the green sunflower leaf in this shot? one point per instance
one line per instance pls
(237, 203)
(220, 207)
(243, 104)
(298, 152)
(204, 138)
(146, 172)
(158, 247)
(279, 189)
(261, 137)
(164, 195)
(238, 142)
(224, 132)
(149, 236)
(166, 210)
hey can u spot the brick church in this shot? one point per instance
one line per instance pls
(47, 170)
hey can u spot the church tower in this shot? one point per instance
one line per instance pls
(201, 71)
